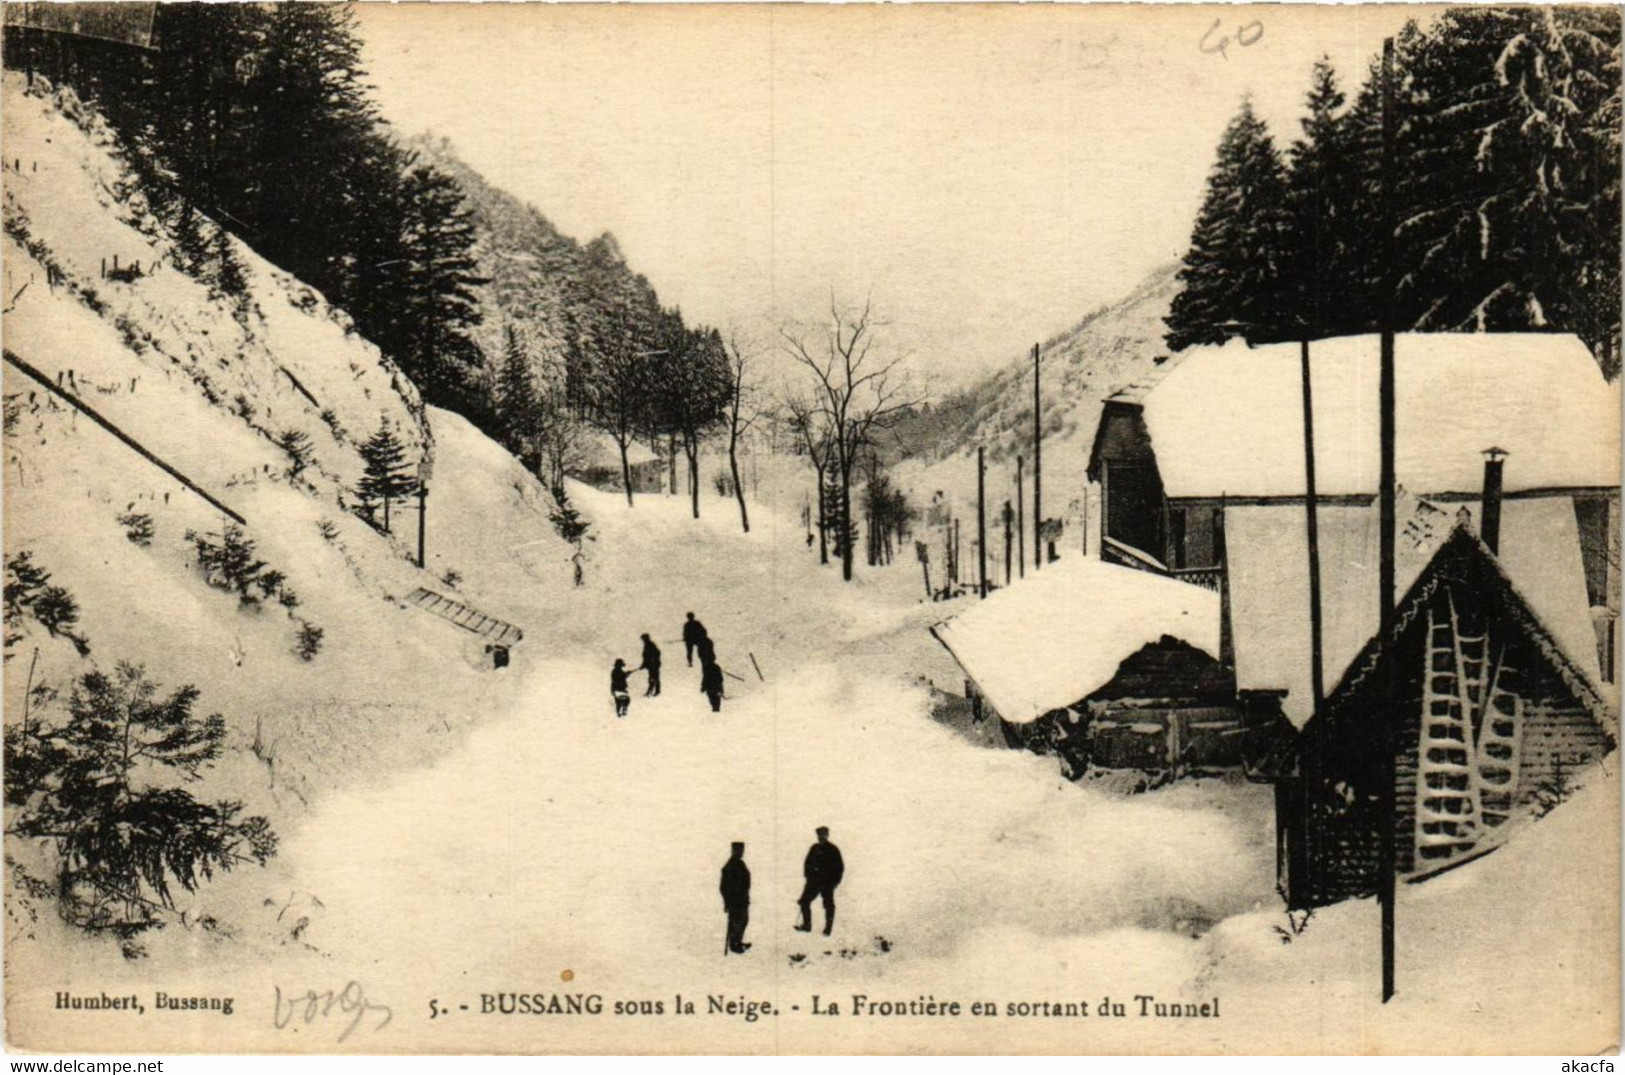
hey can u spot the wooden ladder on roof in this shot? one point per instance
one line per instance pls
(1469, 748)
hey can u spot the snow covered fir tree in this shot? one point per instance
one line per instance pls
(481, 485)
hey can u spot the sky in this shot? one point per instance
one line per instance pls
(985, 175)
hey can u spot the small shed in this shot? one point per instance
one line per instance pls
(1103, 666)
(1475, 710)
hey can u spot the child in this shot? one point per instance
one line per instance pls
(618, 688)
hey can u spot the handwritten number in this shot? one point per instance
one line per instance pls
(1246, 34)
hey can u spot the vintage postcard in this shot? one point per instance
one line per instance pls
(804, 529)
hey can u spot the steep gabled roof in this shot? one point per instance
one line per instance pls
(1266, 550)
(1464, 559)
(1228, 421)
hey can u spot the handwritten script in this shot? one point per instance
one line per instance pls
(1248, 33)
(311, 1007)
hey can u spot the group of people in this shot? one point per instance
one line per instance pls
(822, 872)
(696, 640)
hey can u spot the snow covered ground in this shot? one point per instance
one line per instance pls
(558, 839)
(450, 831)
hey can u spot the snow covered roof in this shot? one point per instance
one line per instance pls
(1228, 421)
(1057, 636)
(1269, 582)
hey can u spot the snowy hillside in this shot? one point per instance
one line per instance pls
(1114, 347)
(213, 385)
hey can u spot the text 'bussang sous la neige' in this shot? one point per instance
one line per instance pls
(862, 1005)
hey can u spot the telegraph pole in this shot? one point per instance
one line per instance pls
(1386, 493)
(1021, 520)
(981, 523)
(1038, 469)
(423, 515)
(1008, 514)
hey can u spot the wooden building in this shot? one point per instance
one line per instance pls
(1203, 478)
(1474, 710)
(1105, 667)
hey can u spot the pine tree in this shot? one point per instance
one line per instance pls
(123, 836)
(437, 299)
(1234, 274)
(518, 405)
(1327, 285)
(387, 475)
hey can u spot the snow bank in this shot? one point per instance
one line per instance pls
(1050, 640)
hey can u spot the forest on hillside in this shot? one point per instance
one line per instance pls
(1492, 203)
(258, 118)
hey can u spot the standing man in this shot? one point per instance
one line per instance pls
(711, 681)
(693, 633)
(736, 899)
(823, 871)
(618, 688)
(651, 664)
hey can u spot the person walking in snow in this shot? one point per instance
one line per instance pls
(711, 682)
(736, 899)
(618, 688)
(693, 633)
(651, 665)
(823, 871)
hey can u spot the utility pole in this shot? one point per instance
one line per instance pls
(1021, 520)
(423, 515)
(957, 548)
(1038, 469)
(1317, 672)
(1385, 581)
(1009, 515)
(981, 522)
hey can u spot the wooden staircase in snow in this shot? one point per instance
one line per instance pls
(468, 618)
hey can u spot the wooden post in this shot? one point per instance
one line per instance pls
(1038, 468)
(981, 522)
(957, 548)
(1317, 673)
(1008, 515)
(947, 553)
(423, 515)
(1021, 520)
(1386, 493)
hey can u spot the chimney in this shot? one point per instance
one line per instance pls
(1489, 527)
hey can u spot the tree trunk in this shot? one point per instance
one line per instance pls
(823, 527)
(387, 530)
(671, 459)
(844, 511)
(739, 491)
(626, 473)
(691, 447)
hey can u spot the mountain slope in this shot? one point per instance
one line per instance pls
(211, 380)
(1114, 347)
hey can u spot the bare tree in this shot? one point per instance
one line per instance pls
(806, 421)
(856, 391)
(742, 414)
(618, 382)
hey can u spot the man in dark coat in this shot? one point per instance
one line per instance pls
(823, 871)
(651, 665)
(736, 898)
(618, 688)
(693, 632)
(711, 683)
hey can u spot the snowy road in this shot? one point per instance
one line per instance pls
(560, 838)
